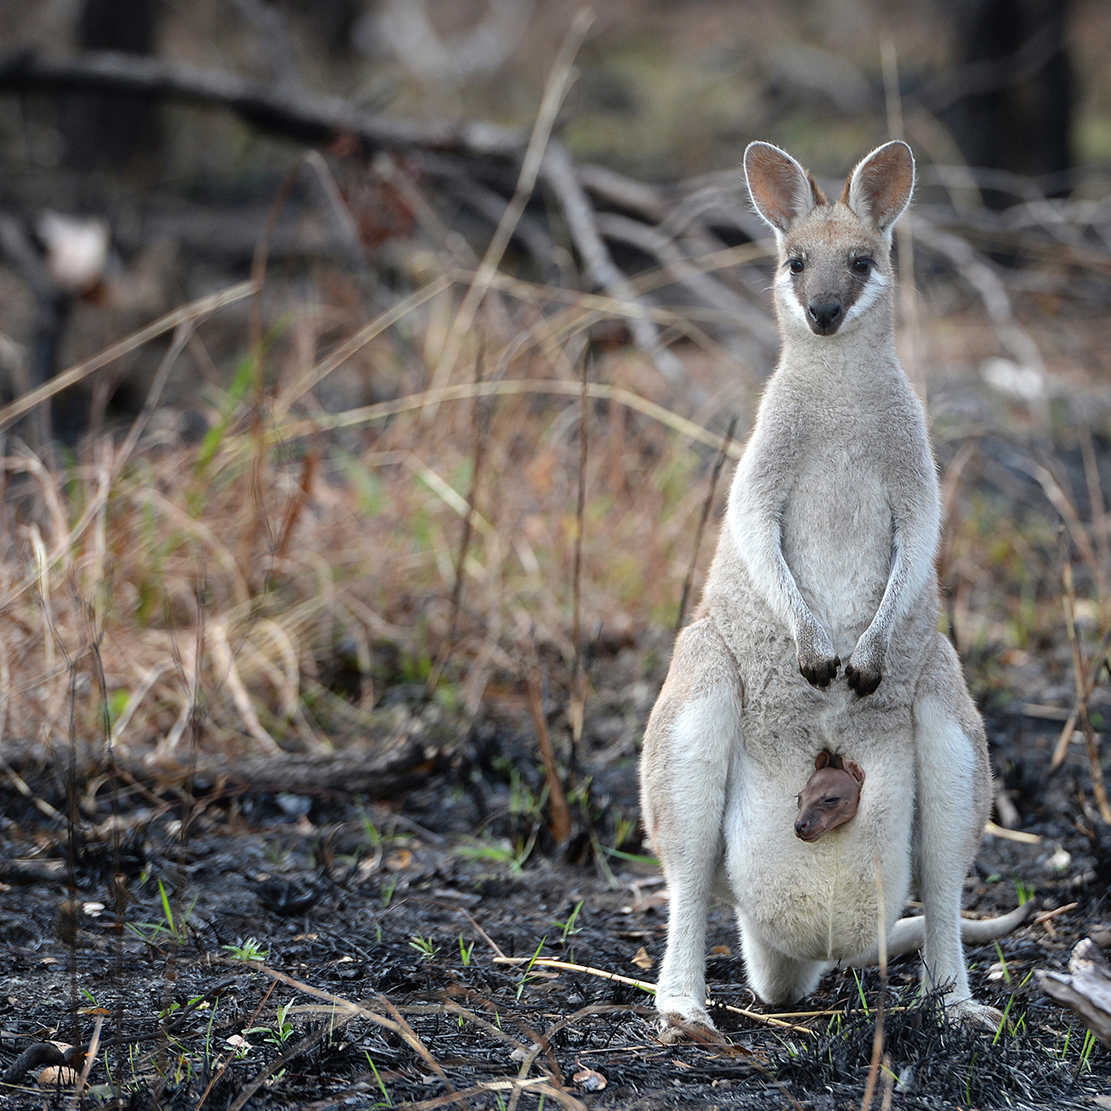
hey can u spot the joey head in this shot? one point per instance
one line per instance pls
(830, 797)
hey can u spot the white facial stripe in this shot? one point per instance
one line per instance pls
(786, 295)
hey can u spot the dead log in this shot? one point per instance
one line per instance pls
(1086, 990)
(377, 769)
(319, 120)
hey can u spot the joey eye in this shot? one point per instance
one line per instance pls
(795, 265)
(863, 264)
(798, 801)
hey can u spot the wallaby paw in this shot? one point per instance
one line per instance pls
(863, 681)
(819, 671)
(967, 1012)
(690, 1026)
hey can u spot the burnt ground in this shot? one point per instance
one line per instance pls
(401, 908)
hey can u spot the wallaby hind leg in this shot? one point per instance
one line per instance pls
(694, 727)
(775, 977)
(953, 801)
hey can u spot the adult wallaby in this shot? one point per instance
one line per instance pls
(826, 555)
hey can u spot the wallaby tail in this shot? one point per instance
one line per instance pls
(907, 935)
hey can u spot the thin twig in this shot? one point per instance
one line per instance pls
(904, 233)
(560, 824)
(537, 1087)
(91, 1051)
(479, 423)
(643, 985)
(397, 1024)
(577, 707)
(1100, 660)
(1101, 526)
(877, 1034)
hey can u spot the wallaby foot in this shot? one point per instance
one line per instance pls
(967, 1012)
(688, 1025)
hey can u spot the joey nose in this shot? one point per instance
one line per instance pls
(825, 314)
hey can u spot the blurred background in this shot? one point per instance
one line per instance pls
(1003, 101)
(371, 373)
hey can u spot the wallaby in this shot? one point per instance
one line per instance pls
(830, 797)
(826, 555)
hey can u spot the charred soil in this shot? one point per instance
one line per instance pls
(222, 947)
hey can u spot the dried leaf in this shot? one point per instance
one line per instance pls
(588, 1079)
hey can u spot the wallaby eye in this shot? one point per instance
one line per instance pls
(795, 265)
(863, 264)
(798, 801)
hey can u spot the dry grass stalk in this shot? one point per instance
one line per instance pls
(577, 707)
(1100, 660)
(1081, 674)
(348, 1009)
(764, 1020)
(560, 812)
(554, 91)
(194, 311)
(601, 391)
(878, 1054)
(537, 1087)
(480, 423)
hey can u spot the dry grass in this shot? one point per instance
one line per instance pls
(237, 578)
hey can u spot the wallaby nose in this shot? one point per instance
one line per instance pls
(825, 314)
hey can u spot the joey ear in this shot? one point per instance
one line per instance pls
(782, 191)
(821, 760)
(855, 770)
(880, 187)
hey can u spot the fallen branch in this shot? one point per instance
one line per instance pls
(1086, 990)
(317, 119)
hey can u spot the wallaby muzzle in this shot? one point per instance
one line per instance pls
(824, 314)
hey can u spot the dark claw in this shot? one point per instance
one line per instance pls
(821, 675)
(862, 682)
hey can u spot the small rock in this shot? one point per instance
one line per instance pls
(57, 1076)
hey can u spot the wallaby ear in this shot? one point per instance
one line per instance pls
(821, 760)
(879, 189)
(782, 191)
(855, 770)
